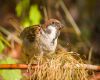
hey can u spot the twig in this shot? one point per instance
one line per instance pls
(45, 13)
(8, 33)
(4, 40)
(25, 66)
(90, 55)
(88, 66)
(69, 17)
(16, 66)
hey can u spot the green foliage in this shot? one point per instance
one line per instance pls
(2, 39)
(25, 22)
(10, 74)
(1, 46)
(34, 15)
(19, 9)
(86, 33)
(30, 14)
(22, 6)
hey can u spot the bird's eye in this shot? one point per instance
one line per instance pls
(53, 23)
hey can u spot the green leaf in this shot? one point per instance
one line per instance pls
(26, 22)
(1, 46)
(34, 15)
(8, 60)
(25, 4)
(22, 6)
(10, 74)
(19, 9)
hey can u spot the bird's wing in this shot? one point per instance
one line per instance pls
(30, 33)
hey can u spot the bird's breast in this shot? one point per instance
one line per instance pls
(47, 45)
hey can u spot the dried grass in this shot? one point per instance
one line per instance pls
(60, 66)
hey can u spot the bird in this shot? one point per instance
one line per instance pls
(41, 39)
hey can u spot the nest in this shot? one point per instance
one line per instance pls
(60, 66)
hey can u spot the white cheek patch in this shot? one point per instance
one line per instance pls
(53, 32)
(48, 40)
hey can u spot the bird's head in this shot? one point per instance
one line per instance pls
(54, 23)
(51, 30)
(53, 27)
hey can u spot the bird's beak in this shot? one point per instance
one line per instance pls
(61, 26)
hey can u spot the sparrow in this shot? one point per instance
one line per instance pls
(40, 39)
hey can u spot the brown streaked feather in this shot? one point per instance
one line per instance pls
(30, 46)
(30, 33)
(51, 21)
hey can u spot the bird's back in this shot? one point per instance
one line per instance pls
(30, 41)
